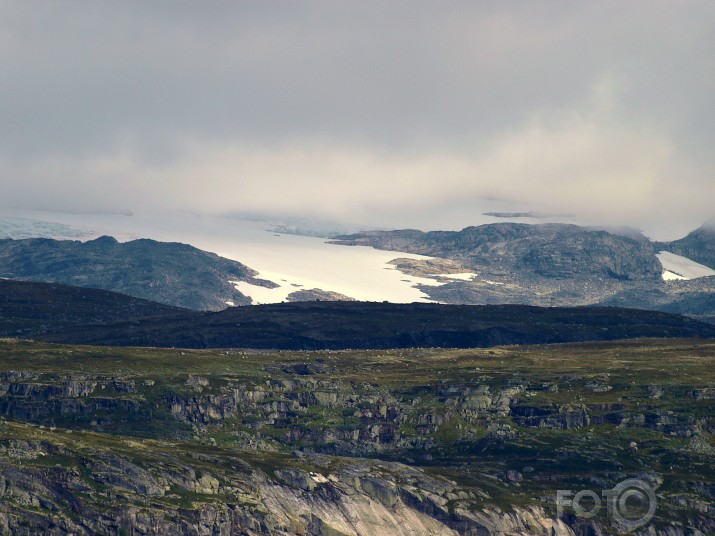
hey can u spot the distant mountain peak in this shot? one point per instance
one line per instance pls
(105, 240)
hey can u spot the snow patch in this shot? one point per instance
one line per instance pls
(670, 276)
(676, 267)
(317, 477)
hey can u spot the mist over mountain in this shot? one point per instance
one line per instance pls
(601, 110)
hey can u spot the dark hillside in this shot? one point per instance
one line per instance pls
(165, 272)
(84, 316)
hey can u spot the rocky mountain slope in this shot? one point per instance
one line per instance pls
(86, 316)
(170, 273)
(556, 251)
(469, 442)
(698, 245)
(554, 264)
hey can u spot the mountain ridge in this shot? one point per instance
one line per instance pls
(29, 310)
(698, 245)
(555, 264)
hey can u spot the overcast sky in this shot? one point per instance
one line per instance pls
(376, 112)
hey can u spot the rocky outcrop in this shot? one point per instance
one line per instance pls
(698, 245)
(316, 294)
(553, 264)
(391, 442)
(171, 493)
(104, 493)
(331, 415)
(550, 250)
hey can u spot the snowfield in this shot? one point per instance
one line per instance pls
(292, 262)
(678, 267)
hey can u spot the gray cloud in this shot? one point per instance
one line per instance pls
(372, 110)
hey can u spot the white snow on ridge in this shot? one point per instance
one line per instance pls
(293, 262)
(678, 267)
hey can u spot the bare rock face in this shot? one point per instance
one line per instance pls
(392, 442)
(339, 497)
(550, 250)
(698, 245)
(554, 264)
(292, 502)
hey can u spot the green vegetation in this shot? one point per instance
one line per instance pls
(185, 429)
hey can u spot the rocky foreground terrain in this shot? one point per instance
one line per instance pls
(422, 441)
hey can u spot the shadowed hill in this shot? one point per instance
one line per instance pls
(340, 325)
(35, 308)
(83, 316)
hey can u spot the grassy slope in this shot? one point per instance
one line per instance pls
(470, 453)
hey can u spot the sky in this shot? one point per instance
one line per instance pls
(387, 113)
